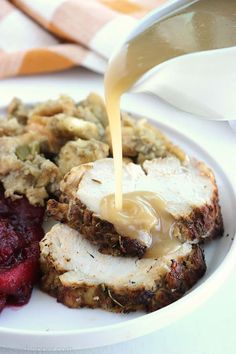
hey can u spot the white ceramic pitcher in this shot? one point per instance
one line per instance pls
(202, 83)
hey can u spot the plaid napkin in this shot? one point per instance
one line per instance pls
(38, 36)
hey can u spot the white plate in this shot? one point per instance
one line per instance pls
(43, 324)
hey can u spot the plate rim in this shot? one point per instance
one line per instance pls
(215, 280)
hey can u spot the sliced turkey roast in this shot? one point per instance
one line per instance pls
(78, 275)
(189, 190)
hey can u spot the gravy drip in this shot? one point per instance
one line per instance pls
(201, 25)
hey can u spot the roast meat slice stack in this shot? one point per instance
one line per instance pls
(189, 190)
(86, 262)
(78, 275)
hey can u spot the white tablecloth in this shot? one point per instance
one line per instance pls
(211, 328)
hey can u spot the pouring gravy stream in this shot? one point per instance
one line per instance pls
(201, 25)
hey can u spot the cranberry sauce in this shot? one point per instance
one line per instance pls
(20, 233)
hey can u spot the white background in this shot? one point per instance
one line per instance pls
(211, 328)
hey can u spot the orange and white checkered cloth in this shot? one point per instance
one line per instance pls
(38, 36)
